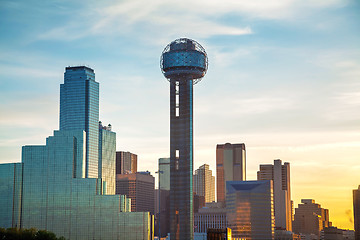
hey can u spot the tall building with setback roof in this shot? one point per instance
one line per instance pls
(310, 218)
(280, 174)
(62, 186)
(204, 183)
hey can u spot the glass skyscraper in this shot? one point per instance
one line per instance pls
(250, 209)
(107, 158)
(79, 109)
(62, 186)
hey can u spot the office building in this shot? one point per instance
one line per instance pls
(79, 110)
(57, 198)
(10, 195)
(310, 218)
(139, 187)
(183, 62)
(64, 185)
(280, 174)
(356, 198)
(250, 209)
(107, 157)
(126, 162)
(164, 169)
(209, 217)
(230, 166)
(204, 183)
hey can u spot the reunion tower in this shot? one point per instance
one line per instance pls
(183, 62)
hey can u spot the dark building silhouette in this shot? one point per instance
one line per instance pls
(183, 63)
(356, 195)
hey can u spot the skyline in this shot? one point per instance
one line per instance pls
(283, 79)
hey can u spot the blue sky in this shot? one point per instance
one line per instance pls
(283, 78)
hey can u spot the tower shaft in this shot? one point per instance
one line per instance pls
(181, 159)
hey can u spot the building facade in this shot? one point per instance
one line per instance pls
(164, 169)
(10, 194)
(356, 198)
(62, 189)
(107, 158)
(250, 209)
(280, 174)
(79, 110)
(126, 162)
(310, 218)
(204, 183)
(140, 188)
(210, 217)
(230, 166)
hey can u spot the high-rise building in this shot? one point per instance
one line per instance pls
(204, 183)
(250, 209)
(79, 110)
(164, 169)
(139, 187)
(356, 198)
(183, 63)
(63, 184)
(230, 166)
(107, 158)
(280, 174)
(310, 218)
(126, 162)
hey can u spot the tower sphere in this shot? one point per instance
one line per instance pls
(184, 59)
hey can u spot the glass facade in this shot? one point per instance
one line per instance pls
(56, 199)
(79, 109)
(107, 159)
(62, 186)
(10, 195)
(250, 209)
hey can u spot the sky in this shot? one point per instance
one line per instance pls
(283, 78)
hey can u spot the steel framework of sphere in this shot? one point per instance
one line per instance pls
(184, 57)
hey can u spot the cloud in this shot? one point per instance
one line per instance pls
(166, 19)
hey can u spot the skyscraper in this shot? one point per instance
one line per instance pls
(107, 158)
(126, 162)
(79, 110)
(310, 218)
(280, 174)
(183, 63)
(250, 209)
(204, 183)
(230, 166)
(56, 187)
(356, 197)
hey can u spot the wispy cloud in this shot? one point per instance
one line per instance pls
(166, 19)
